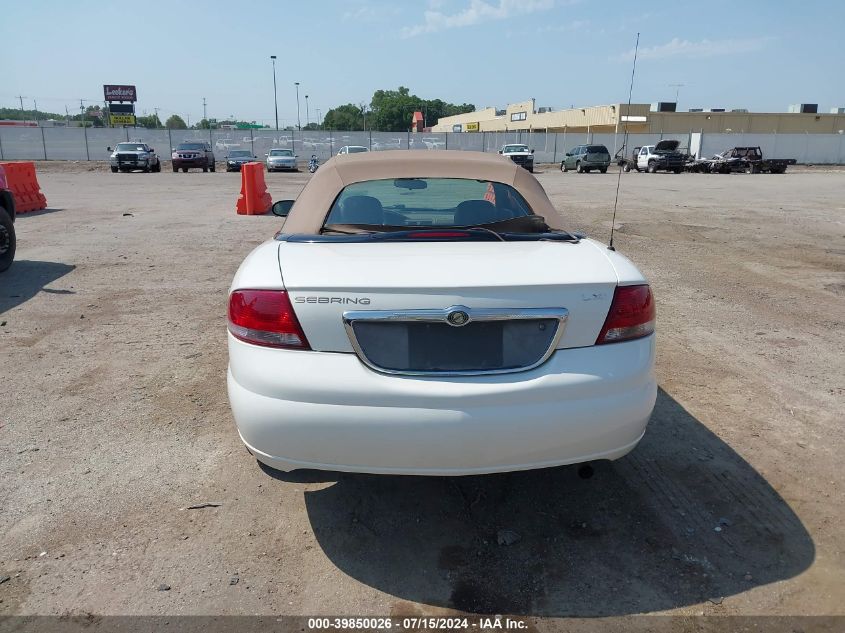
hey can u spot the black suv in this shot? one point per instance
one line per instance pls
(193, 155)
(7, 224)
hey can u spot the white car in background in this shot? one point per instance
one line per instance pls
(426, 313)
(352, 149)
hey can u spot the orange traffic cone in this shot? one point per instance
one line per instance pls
(254, 198)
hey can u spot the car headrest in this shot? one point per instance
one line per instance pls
(361, 210)
(471, 212)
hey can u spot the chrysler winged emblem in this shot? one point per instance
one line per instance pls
(457, 318)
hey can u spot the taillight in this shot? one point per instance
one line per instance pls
(631, 315)
(265, 317)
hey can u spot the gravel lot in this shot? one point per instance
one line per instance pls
(115, 419)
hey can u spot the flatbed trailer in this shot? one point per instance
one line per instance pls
(741, 159)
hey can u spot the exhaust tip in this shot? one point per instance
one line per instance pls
(585, 471)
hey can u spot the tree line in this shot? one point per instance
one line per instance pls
(390, 111)
(387, 111)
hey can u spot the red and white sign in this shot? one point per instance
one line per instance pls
(120, 93)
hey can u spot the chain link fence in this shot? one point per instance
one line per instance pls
(45, 143)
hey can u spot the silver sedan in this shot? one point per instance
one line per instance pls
(279, 159)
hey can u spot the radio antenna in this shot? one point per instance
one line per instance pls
(624, 143)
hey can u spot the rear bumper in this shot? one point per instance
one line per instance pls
(527, 162)
(328, 411)
(281, 166)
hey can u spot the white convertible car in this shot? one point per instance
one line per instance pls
(426, 313)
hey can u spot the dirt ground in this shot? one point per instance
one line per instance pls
(114, 420)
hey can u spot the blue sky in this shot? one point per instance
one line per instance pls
(751, 53)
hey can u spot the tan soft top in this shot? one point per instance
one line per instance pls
(316, 198)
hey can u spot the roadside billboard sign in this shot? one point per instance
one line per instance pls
(119, 93)
(123, 119)
(121, 108)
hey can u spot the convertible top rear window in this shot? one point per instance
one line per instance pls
(426, 202)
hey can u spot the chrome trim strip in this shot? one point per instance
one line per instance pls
(441, 316)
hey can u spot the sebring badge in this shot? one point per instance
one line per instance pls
(457, 318)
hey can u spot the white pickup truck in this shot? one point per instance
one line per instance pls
(664, 156)
(520, 154)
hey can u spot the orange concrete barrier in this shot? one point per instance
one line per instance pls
(254, 198)
(21, 180)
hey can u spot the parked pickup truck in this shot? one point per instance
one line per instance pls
(520, 154)
(7, 223)
(653, 158)
(135, 155)
(747, 159)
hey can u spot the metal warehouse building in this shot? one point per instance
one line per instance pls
(641, 118)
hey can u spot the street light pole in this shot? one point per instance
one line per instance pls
(319, 119)
(307, 116)
(298, 122)
(275, 94)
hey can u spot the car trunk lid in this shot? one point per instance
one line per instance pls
(326, 280)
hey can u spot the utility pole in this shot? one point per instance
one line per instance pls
(81, 113)
(21, 97)
(35, 109)
(319, 119)
(307, 118)
(157, 120)
(204, 116)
